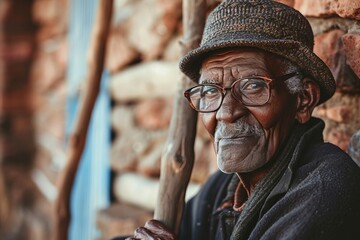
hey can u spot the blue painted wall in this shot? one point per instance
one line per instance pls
(91, 188)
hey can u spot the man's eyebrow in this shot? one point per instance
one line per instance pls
(250, 73)
(205, 81)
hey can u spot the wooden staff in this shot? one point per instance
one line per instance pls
(178, 156)
(96, 56)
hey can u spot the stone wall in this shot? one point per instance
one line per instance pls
(143, 58)
(48, 77)
(32, 84)
(16, 115)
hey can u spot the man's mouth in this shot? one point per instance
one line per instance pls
(233, 140)
(233, 137)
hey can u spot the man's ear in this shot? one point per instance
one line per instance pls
(307, 100)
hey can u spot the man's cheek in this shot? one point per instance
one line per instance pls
(209, 121)
(215, 146)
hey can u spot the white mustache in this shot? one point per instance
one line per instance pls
(237, 129)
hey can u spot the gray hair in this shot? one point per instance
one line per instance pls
(294, 84)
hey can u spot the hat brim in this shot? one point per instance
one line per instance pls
(302, 56)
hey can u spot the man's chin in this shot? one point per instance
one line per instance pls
(241, 154)
(224, 168)
(228, 166)
(228, 169)
(240, 162)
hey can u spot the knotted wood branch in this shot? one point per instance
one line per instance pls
(96, 57)
(178, 156)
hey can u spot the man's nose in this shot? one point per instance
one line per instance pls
(230, 109)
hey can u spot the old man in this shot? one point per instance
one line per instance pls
(258, 84)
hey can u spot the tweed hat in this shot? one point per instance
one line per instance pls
(264, 24)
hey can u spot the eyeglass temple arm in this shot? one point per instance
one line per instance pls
(290, 75)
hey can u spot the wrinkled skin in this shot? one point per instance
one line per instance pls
(153, 230)
(246, 152)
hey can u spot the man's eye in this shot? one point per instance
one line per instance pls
(209, 90)
(253, 84)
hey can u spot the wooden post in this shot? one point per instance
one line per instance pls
(96, 56)
(178, 156)
(5, 207)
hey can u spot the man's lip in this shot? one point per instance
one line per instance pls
(231, 138)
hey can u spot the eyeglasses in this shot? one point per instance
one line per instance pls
(250, 91)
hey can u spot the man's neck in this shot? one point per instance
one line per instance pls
(250, 179)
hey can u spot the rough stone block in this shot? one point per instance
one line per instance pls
(339, 137)
(205, 160)
(55, 10)
(340, 114)
(135, 145)
(153, 114)
(148, 25)
(15, 48)
(119, 52)
(352, 51)
(45, 73)
(17, 101)
(53, 21)
(145, 81)
(334, 112)
(172, 51)
(326, 8)
(52, 120)
(330, 48)
(16, 15)
(120, 220)
(60, 51)
(139, 150)
(30, 214)
(122, 118)
(142, 191)
(150, 163)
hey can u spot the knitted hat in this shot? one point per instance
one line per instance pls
(264, 24)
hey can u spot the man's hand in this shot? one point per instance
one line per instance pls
(153, 230)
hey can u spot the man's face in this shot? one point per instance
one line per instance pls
(245, 137)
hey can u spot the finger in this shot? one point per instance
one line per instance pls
(160, 229)
(145, 234)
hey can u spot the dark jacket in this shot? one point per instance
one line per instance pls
(317, 196)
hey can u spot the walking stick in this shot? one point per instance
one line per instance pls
(78, 137)
(178, 156)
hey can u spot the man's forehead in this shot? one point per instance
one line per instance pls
(233, 61)
(241, 51)
(244, 58)
(234, 56)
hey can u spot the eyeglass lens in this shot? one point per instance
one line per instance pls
(250, 91)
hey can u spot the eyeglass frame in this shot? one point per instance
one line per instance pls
(268, 81)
